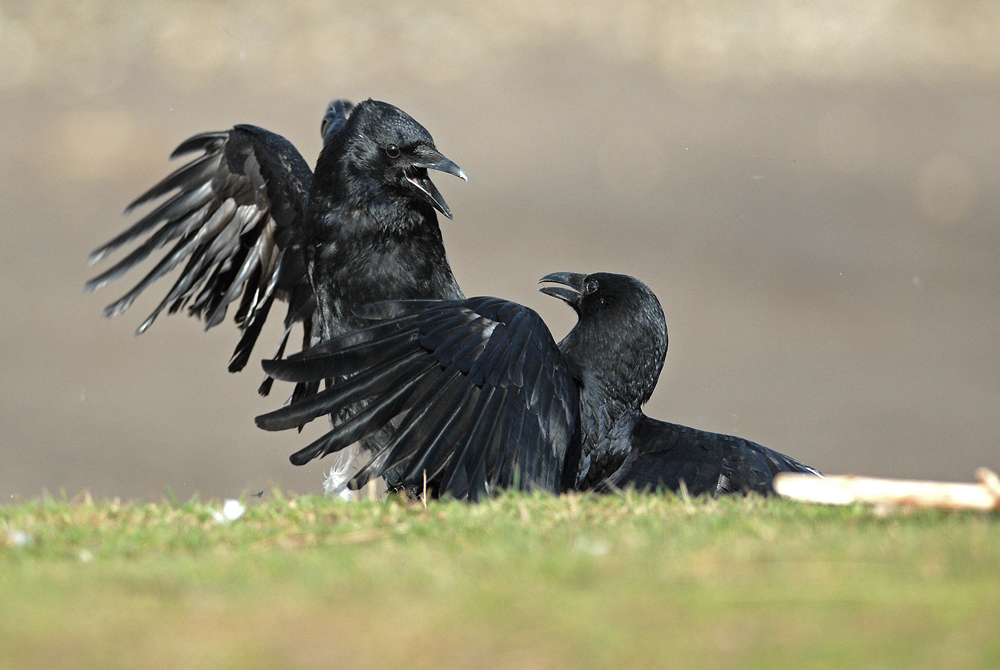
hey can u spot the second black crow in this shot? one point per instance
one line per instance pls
(486, 399)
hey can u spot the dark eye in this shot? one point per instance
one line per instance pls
(392, 151)
(590, 287)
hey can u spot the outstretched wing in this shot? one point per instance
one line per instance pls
(477, 391)
(665, 454)
(231, 220)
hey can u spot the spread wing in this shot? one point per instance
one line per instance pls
(230, 220)
(477, 391)
(664, 454)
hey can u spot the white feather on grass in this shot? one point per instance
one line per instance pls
(335, 484)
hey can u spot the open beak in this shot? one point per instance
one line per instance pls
(570, 288)
(417, 175)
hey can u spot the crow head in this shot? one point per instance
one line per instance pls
(621, 337)
(386, 146)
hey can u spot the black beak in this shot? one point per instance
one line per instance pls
(433, 160)
(573, 281)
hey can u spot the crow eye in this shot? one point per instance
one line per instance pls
(392, 151)
(590, 287)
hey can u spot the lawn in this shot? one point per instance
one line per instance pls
(630, 581)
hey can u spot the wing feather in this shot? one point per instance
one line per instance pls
(475, 421)
(232, 211)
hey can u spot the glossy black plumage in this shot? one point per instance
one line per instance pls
(248, 218)
(371, 232)
(489, 402)
(575, 408)
(665, 454)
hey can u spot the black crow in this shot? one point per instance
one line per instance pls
(487, 400)
(621, 372)
(249, 218)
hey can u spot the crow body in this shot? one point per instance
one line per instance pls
(251, 222)
(667, 454)
(371, 232)
(485, 399)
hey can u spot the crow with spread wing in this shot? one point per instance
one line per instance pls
(484, 398)
(249, 221)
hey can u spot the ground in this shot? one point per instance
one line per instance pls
(536, 581)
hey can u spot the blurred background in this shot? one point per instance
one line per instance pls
(810, 188)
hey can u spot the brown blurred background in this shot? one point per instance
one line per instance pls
(810, 190)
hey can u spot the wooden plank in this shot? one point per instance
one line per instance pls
(847, 489)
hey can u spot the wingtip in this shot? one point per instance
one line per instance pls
(277, 420)
(141, 200)
(301, 457)
(217, 316)
(357, 482)
(280, 370)
(146, 324)
(96, 255)
(117, 309)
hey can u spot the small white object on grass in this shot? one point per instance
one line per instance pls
(19, 538)
(335, 484)
(231, 510)
(588, 545)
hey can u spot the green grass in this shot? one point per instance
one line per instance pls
(632, 581)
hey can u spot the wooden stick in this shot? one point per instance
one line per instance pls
(847, 489)
(989, 479)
